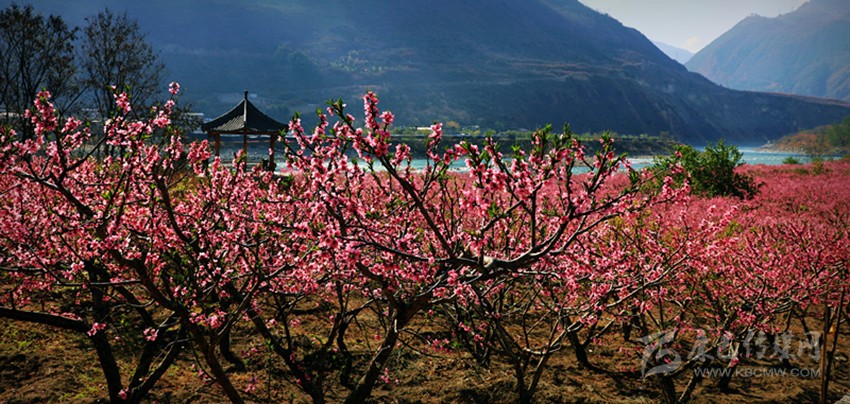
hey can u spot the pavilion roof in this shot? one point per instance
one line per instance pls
(244, 118)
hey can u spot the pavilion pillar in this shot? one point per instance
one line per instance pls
(272, 138)
(215, 137)
(245, 143)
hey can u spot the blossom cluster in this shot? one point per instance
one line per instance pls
(193, 248)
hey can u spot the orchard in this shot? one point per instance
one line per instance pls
(348, 275)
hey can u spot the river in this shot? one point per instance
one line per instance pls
(259, 149)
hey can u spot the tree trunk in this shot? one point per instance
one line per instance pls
(696, 379)
(403, 314)
(208, 350)
(519, 374)
(143, 386)
(580, 352)
(309, 387)
(348, 360)
(538, 372)
(824, 376)
(101, 312)
(227, 352)
(110, 368)
(828, 355)
(367, 382)
(668, 388)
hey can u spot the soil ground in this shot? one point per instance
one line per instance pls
(42, 365)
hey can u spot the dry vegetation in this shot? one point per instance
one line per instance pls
(39, 364)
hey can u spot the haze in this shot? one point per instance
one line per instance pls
(688, 24)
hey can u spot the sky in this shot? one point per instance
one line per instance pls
(688, 24)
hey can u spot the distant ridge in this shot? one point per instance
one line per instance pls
(678, 54)
(804, 52)
(500, 64)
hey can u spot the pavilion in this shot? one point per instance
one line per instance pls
(245, 119)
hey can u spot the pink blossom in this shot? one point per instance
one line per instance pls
(151, 334)
(123, 102)
(95, 328)
(387, 118)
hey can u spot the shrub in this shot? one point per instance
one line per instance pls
(817, 166)
(790, 160)
(711, 172)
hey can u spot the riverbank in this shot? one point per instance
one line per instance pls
(810, 144)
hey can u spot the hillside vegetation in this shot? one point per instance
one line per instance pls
(824, 140)
(497, 63)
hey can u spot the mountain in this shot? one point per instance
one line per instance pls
(805, 52)
(502, 64)
(678, 54)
